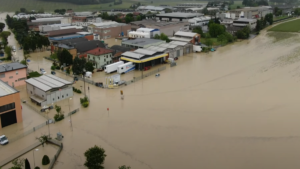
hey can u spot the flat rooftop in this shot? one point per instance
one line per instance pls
(179, 15)
(141, 41)
(5, 89)
(11, 66)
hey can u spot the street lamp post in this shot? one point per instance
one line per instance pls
(33, 157)
(70, 113)
(47, 111)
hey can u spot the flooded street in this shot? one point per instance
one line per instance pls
(236, 108)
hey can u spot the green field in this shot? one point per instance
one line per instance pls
(236, 3)
(292, 26)
(14, 5)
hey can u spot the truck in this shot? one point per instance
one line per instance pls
(127, 67)
(197, 48)
(112, 67)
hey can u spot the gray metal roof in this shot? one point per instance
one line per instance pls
(5, 89)
(133, 55)
(11, 66)
(157, 48)
(141, 41)
(47, 82)
(179, 15)
(144, 51)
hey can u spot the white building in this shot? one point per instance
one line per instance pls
(48, 89)
(199, 21)
(144, 33)
(243, 22)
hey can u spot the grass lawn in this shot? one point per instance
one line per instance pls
(280, 17)
(236, 3)
(215, 41)
(15, 5)
(291, 26)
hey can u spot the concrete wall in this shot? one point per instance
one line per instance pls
(15, 77)
(13, 98)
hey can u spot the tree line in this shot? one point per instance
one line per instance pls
(30, 41)
(127, 19)
(82, 2)
(263, 22)
(254, 2)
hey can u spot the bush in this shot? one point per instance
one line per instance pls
(59, 117)
(76, 90)
(85, 104)
(34, 74)
(57, 67)
(45, 160)
(82, 100)
(53, 67)
(37, 167)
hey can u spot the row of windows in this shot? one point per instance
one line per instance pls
(7, 107)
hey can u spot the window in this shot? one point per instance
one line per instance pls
(16, 72)
(62, 96)
(2, 75)
(10, 77)
(24, 78)
(53, 99)
(58, 97)
(67, 94)
(104, 60)
(7, 107)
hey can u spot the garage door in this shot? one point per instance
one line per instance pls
(8, 118)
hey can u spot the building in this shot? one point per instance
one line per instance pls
(47, 28)
(199, 21)
(190, 37)
(243, 22)
(35, 25)
(144, 58)
(14, 74)
(48, 89)
(252, 12)
(184, 6)
(141, 43)
(77, 47)
(176, 16)
(153, 8)
(61, 32)
(10, 105)
(108, 30)
(144, 33)
(168, 28)
(100, 57)
(86, 35)
(118, 50)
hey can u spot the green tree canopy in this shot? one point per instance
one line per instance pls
(78, 65)
(216, 29)
(2, 25)
(89, 67)
(198, 30)
(95, 157)
(65, 57)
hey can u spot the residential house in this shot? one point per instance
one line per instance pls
(100, 57)
(14, 74)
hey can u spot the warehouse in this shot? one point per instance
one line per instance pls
(48, 89)
(141, 43)
(177, 16)
(10, 105)
(144, 58)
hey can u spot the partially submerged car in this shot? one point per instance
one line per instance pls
(3, 140)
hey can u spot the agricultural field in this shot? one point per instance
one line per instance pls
(14, 5)
(236, 3)
(292, 26)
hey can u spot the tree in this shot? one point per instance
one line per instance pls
(95, 157)
(269, 18)
(17, 163)
(8, 50)
(222, 38)
(124, 167)
(258, 25)
(25, 58)
(5, 34)
(65, 57)
(27, 164)
(216, 29)
(2, 25)
(198, 30)
(78, 66)
(138, 18)
(45, 160)
(44, 138)
(164, 37)
(205, 11)
(23, 10)
(297, 11)
(243, 33)
(89, 67)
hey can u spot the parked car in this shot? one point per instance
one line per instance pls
(53, 72)
(99, 70)
(43, 71)
(3, 140)
(75, 78)
(99, 84)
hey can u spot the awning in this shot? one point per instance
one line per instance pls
(37, 98)
(144, 60)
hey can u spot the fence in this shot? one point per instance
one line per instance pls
(145, 75)
(53, 160)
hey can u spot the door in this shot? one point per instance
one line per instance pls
(8, 118)
(187, 50)
(178, 53)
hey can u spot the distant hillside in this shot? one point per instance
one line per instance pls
(82, 2)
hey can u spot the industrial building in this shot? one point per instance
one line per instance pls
(243, 22)
(10, 105)
(184, 6)
(199, 21)
(141, 43)
(48, 89)
(153, 8)
(165, 27)
(190, 37)
(14, 74)
(108, 30)
(144, 33)
(61, 32)
(252, 12)
(144, 58)
(86, 35)
(176, 16)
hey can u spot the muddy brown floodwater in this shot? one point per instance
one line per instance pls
(236, 108)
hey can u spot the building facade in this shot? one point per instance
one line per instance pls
(107, 30)
(100, 57)
(10, 105)
(48, 89)
(14, 74)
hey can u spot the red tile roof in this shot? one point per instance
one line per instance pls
(99, 51)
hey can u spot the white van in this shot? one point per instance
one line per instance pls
(112, 67)
(14, 48)
(88, 74)
(197, 48)
(127, 67)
